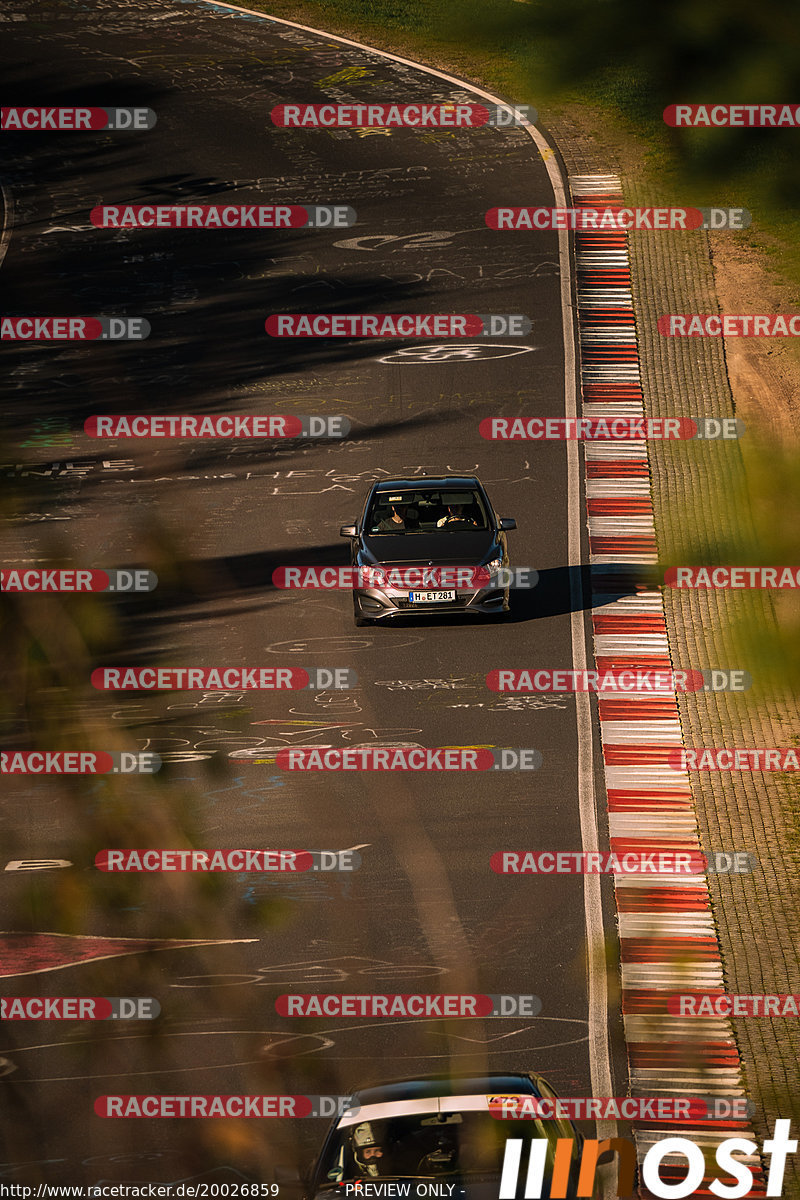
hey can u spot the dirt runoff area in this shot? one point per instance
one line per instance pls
(764, 373)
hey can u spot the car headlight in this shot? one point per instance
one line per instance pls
(371, 576)
(493, 567)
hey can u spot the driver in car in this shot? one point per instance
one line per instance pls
(367, 1150)
(455, 513)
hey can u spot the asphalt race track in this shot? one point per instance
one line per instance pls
(214, 518)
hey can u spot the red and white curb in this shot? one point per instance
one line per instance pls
(668, 940)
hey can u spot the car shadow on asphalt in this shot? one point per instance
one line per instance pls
(215, 581)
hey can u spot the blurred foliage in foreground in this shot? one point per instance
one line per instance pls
(643, 58)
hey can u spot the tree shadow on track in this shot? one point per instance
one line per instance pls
(206, 293)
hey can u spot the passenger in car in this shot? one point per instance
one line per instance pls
(402, 517)
(395, 520)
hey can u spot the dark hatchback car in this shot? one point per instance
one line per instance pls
(443, 522)
(436, 1136)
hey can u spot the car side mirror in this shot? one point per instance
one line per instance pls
(347, 531)
(507, 524)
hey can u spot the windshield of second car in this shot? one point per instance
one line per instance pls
(456, 1143)
(423, 510)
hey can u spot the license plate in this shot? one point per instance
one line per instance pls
(430, 597)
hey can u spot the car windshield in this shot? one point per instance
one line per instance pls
(424, 1145)
(425, 510)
